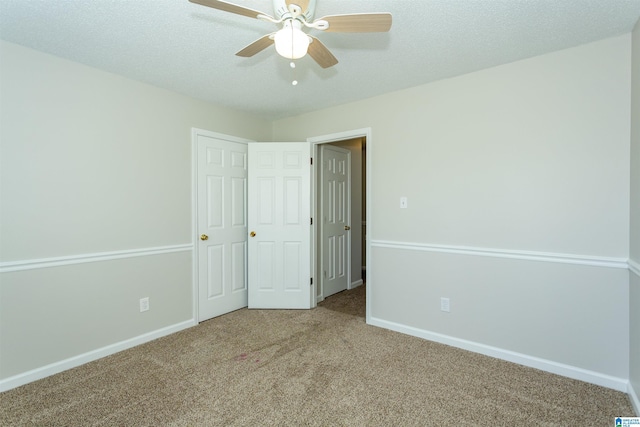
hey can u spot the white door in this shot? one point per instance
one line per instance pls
(335, 187)
(222, 226)
(279, 218)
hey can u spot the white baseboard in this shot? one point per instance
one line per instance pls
(353, 285)
(633, 396)
(619, 384)
(72, 362)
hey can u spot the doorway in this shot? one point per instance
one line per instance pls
(341, 220)
(357, 142)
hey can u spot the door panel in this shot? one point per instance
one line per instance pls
(215, 279)
(335, 183)
(239, 267)
(279, 215)
(221, 200)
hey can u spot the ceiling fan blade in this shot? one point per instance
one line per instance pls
(230, 7)
(321, 54)
(304, 4)
(358, 23)
(257, 46)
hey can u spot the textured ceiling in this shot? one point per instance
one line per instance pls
(191, 49)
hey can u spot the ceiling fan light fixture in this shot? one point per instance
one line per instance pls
(291, 42)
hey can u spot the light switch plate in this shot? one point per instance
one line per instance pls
(445, 305)
(403, 203)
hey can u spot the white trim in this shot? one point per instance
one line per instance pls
(75, 361)
(32, 264)
(633, 396)
(353, 285)
(635, 268)
(342, 136)
(568, 371)
(589, 260)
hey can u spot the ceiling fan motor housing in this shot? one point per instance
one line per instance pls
(283, 10)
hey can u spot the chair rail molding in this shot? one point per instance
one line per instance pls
(596, 261)
(32, 264)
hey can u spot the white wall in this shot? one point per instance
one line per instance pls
(518, 186)
(93, 167)
(634, 256)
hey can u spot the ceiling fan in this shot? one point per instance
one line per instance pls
(293, 43)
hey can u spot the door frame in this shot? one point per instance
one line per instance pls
(326, 139)
(195, 132)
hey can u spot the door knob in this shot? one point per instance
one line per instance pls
(252, 234)
(204, 237)
(346, 227)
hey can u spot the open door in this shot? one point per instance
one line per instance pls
(279, 225)
(335, 223)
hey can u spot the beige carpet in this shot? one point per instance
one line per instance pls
(322, 367)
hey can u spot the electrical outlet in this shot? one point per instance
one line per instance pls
(144, 304)
(445, 305)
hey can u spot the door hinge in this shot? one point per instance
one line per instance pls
(312, 160)
(310, 284)
(311, 221)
